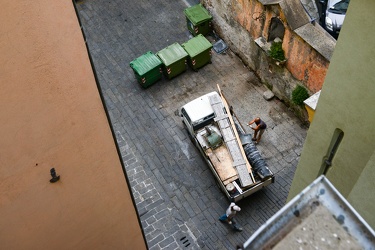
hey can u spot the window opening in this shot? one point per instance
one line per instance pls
(276, 29)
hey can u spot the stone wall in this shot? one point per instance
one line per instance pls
(241, 23)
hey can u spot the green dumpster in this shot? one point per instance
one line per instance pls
(174, 59)
(147, 69)
(198, 20)
(199, 51)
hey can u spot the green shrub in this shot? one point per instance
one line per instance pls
(299, 94)
(277, 52)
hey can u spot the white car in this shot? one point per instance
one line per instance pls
(335, 11)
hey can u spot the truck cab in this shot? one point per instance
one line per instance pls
(197, 114)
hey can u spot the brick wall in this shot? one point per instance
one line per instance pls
(241, 22)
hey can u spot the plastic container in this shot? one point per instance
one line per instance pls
(199, 51)
(147, 69)
(174, 59)
(198, 20)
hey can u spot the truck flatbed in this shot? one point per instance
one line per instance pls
(219, 157)
(217, 134)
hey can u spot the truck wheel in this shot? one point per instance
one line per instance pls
(190, 137)
(187, 131)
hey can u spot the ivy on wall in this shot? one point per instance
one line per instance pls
(277, 52)
(299, 94)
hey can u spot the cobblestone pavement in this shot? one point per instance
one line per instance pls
(176, 196)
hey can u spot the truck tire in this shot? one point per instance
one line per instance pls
(187, 131)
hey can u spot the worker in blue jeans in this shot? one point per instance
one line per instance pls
(229, 214)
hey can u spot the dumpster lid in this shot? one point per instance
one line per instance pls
(145, 63)
(197, 45)
(197, 14)
(172, 54)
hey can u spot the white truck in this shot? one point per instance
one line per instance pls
(234, 160)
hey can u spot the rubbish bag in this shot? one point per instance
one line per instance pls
(256, 161)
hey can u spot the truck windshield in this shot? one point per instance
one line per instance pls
(339, 7)
(203, 122)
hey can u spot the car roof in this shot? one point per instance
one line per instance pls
(333, 2)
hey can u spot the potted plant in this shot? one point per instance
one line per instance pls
(277, 53)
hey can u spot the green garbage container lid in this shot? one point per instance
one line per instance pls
(145, 63)
(172, 54)
(197, 14)
(197, 45)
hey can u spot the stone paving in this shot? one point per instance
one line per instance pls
(175, 193)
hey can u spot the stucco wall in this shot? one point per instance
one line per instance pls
(361, 195)
(52, 116)
(304, 63)
(346, 102)
(241, 22)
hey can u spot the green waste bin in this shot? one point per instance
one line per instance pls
(147, 69)
(199, 51)
(198, 20)
(174, 59)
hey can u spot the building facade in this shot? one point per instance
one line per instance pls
(340, 142)
(249, 27)
(52, 116)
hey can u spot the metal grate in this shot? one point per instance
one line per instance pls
(184, 241)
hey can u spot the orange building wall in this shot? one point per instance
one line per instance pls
(248, 12)
(303, 62)
(52, 116)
